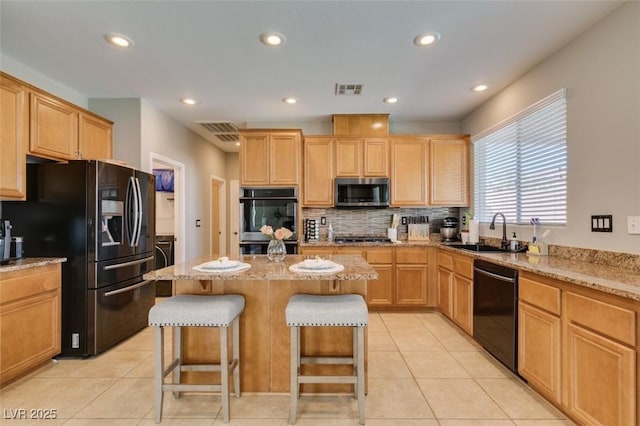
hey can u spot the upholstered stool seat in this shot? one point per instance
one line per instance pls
(344, 310)
(196, 311)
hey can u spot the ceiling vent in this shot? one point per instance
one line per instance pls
(348, 89)
(226, 131)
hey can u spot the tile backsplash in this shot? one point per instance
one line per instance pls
(359, 221)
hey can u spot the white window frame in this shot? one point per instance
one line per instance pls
(525, 178)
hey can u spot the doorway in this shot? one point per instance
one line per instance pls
(178, 201)
(218, 208)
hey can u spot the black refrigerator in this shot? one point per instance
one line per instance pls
(101, 217)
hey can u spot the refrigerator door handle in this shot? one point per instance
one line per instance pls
(133, 262)
(128, 288)
(134, 208)
(139, 205)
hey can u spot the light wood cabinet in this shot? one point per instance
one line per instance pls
(539, 329)
(455, 288)
(318, 172)
(599, 364)
(54, 128)
(14, 138)
(270, 157)
(361, 157)
(409, 171)
(30, 319)
(94, 137)
(374, 125)
(449, 172)
(578, 348)
(380, 292)
(411, 276)
(62, 131)
(462, 290)
(403, 274)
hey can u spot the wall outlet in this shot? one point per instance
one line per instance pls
(323, 220)
(197, 223)
(633, 224)
(75, 340)
(403, 220)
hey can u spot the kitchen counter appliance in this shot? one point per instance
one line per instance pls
(276, 207)
(449, 228)
(101, 217)
(495, 311)
(5, 241)
(361, 192)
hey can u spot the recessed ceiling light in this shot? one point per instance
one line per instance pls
(480, 88)
(188, 101)
(426, 39)
(390, 100)
(289, 100)
(272, 39)
(237, 143)
(119, 40)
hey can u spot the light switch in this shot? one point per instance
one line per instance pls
(633, 224)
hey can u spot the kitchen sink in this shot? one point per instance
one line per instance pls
(476, 247)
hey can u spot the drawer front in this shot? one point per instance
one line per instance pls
(540, 295)
(29, 282)
(409, 256)
(607, 319)
(380, 256)
(445, 260)
(463, 265)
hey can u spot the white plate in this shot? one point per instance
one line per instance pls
(316, 264)
(220, 265)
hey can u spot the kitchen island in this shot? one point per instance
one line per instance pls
(264, 335)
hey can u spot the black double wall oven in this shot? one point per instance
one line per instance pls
(276, 207)
(101, 217)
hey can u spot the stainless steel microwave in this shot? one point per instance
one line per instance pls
(361, 192)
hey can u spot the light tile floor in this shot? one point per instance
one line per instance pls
(423, 371)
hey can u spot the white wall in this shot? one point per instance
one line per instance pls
(140, 129)
(601, 70)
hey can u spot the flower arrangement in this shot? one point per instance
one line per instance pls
(279, 234)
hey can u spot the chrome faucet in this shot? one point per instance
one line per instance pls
(504, 244)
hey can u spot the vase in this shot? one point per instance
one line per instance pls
(276, 250)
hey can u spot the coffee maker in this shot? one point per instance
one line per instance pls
(5, 241)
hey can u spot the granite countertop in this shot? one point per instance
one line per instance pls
(620, 281)
(30, 262)
(608, 279)
(355, 269)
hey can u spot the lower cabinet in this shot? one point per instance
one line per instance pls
(403, 274)
(455, 288)
(411, 276)
(30, 319)
(578, 348)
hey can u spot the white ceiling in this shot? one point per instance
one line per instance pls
(210, 50)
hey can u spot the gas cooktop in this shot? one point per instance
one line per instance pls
(361, 239)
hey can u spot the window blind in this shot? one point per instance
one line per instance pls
(520, 165)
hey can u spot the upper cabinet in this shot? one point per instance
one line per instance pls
(14, 137)
(361, 125)
(449, 172)
(270, 157)
(429, 171)
(94, 137)
(361, 157)
(318, 172)
(409, 171)
(62, 131)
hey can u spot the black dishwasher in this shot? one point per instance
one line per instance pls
(495, 311)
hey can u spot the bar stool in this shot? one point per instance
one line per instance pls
(196, 311)
(344, 310)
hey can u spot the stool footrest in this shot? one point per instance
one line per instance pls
(327, 379)
(191, 387)
(326, 360)
(207, 367)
